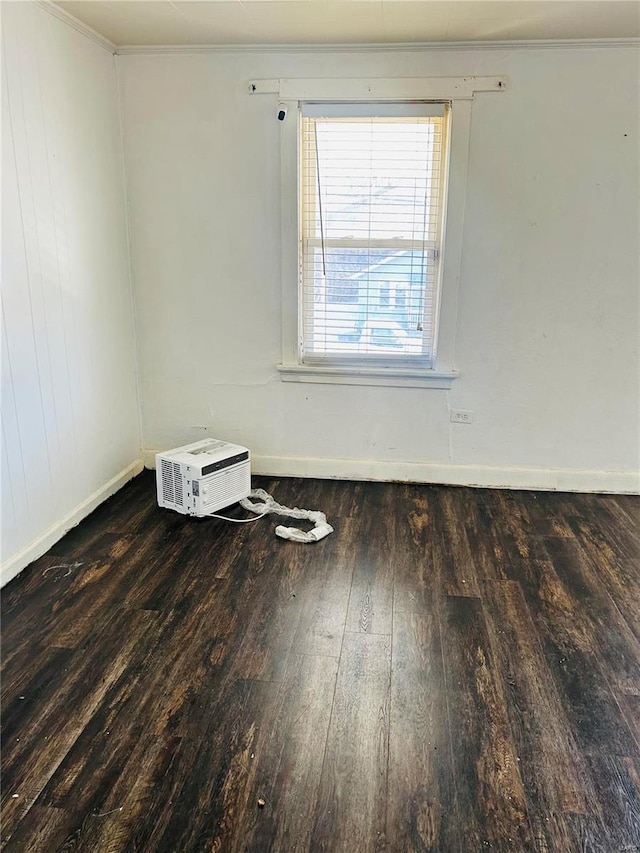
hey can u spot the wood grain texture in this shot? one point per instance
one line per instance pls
(552, 767)
(571, 659)
(289, 763)
(453, 562)
(351, 810)
(630, 707)
(420, 765)
(452, 671)
(371, 598)
(491, 808)
(326, 596)
(613, 641)
(416, 578)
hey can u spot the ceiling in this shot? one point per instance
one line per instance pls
(290, 22)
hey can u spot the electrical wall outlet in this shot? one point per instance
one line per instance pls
(461, 416)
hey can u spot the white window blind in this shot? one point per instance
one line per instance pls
(372, 187)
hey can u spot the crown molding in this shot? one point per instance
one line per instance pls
(371, 47)
(77, 25)
(536, 44)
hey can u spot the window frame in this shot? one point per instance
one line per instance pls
(459, 93)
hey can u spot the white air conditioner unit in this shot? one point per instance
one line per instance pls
(203, 477)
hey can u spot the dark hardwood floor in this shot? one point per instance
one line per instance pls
(452, 670)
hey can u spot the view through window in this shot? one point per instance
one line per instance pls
(371, 202)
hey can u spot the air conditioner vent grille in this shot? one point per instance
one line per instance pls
(227, 485)
(177, 483)
(168, 493)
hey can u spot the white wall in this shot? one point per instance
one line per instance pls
(547, 341)
(69, 405)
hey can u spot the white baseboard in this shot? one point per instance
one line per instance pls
(547, 479)
(39, 546)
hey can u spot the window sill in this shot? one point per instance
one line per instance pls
(394, 376)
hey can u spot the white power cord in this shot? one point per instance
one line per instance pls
(268, 505)
(235, 520)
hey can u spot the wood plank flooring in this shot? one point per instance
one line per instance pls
(453, 670)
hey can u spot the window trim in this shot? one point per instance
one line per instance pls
(459, 92)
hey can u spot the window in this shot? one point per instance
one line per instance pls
(373, 179)
(372, 187)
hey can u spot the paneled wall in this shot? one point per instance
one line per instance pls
(70, 425)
